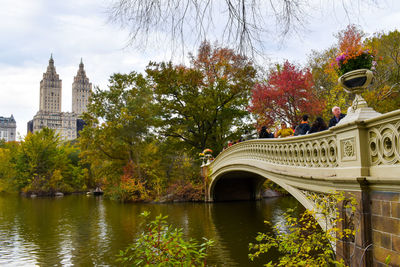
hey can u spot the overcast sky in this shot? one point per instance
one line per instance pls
(31, 30)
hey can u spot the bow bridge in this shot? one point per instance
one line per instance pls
(361, 156)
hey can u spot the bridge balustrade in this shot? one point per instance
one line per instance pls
(360, 156)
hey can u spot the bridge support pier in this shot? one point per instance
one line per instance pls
(204, 174)
(357, 251)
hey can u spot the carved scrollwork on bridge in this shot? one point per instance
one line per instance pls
(313, 153)
(348, 148)
(384, 144)
(316, 152)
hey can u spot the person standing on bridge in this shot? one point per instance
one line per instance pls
(265, 133)
(284, 131)
(304, 127)
(318, 126)
(337, 116)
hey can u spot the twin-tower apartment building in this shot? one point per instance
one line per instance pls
(66, 124)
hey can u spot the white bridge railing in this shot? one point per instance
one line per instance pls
(368, 148)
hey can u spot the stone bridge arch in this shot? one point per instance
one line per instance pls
(360, 156)
(244, 182)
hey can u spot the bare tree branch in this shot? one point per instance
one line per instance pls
(242, 23)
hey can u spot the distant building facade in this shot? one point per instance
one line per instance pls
(8, 128)
(49, 114)
(81, 91)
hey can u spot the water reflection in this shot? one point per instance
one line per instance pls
(238, 223)
(88, 231)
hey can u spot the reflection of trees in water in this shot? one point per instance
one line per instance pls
(87, 231)
(58, 231)
(196, 220)
(33, 224)
(12, 245)
(245, 220)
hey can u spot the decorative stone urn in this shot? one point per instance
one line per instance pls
(356, 82)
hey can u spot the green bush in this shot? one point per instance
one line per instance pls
(161, 245)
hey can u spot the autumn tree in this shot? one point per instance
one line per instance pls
(326, 81)
(203, 105)
(142, 133)
(384, 94)
(286, 95)
(350, 39)
(322, 65)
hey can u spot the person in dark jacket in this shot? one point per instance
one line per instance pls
(337, 116)
(265, 133)
(304, 127)
(318, 125)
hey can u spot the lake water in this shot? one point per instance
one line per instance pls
(78, 230)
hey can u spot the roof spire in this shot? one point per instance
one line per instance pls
(51, 61)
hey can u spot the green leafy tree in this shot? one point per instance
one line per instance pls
(43, 164)
(119, 119)
(204, 105)
(162, 245)
(301, 241)
(117, 135)
(8, 172)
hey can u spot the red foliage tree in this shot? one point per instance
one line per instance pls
(286, 96)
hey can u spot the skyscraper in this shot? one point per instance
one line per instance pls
(49, 114)
(50, 90)
(81, 91)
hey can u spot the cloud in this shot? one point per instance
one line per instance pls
(19, 93)
(72, 30)
(34, 30)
